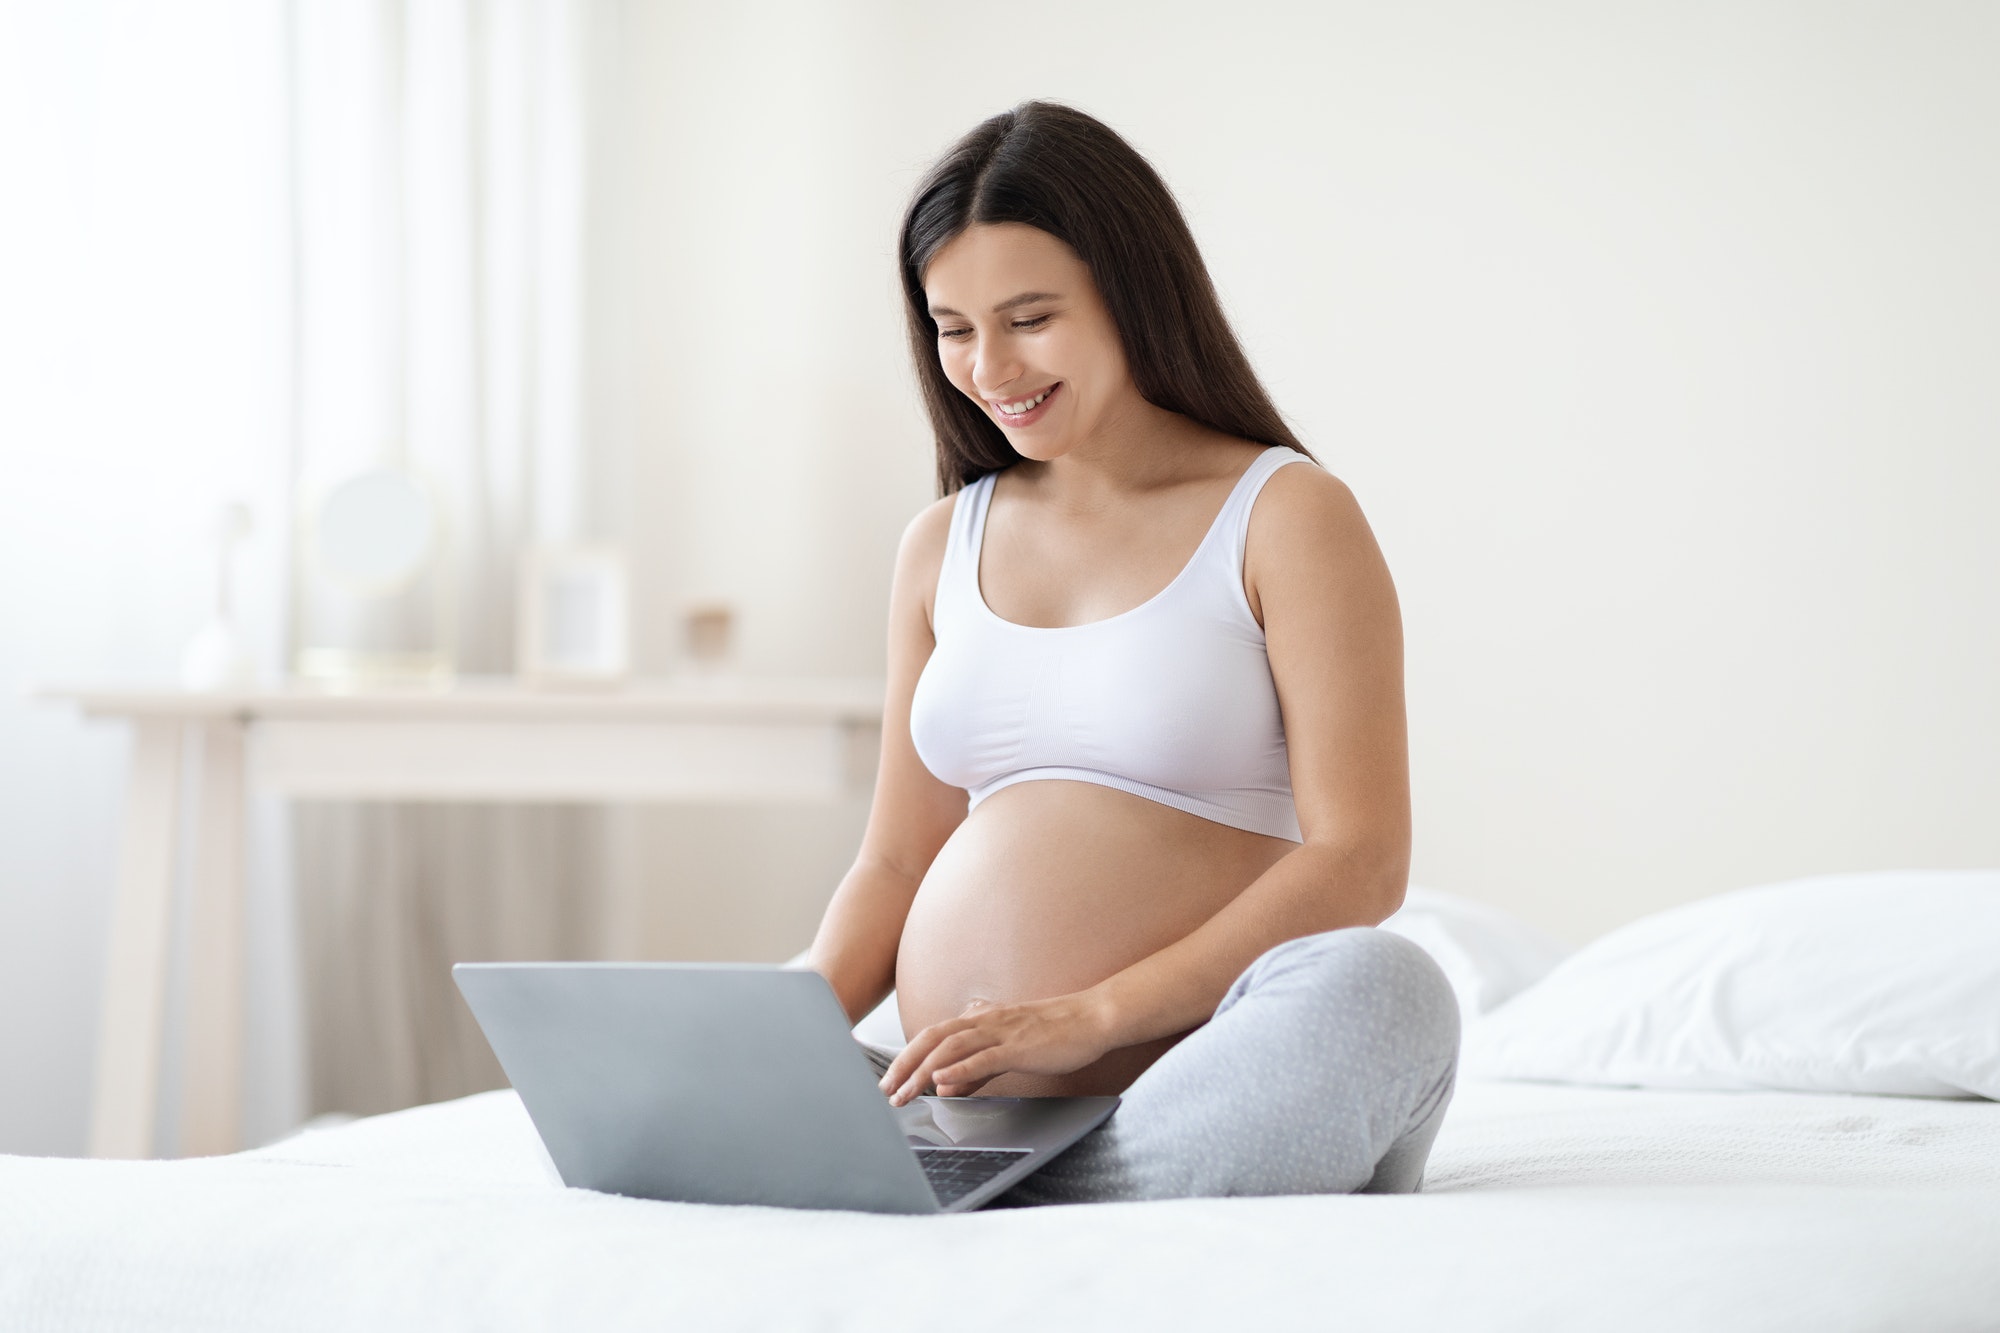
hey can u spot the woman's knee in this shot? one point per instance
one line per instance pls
(1364, 969)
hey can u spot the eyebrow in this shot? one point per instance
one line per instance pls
(1012, 302)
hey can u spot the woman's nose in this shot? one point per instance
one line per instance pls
(994, 366)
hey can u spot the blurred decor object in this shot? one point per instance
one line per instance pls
(575, 616)
(216, 658)
(710, 631)
(374, 594)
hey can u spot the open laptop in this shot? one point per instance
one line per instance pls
(740, 1083)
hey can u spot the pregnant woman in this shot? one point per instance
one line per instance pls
(1144, 786)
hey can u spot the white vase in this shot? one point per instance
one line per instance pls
(216, 659)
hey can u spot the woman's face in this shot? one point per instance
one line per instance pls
(1021, 324)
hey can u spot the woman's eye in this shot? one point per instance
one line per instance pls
(959, 335)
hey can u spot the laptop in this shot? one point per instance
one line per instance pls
(741, 1083)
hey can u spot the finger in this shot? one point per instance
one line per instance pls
(962, 1089)
(977, 1068)
(919, 1047)
(959, 1046)
(920, 1077)
(911, 1056)
(965, 1077)
(909, 1075)
(952, 1048)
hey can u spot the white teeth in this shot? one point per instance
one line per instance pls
(1016, 409)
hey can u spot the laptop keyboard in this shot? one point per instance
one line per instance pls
(956, 1172)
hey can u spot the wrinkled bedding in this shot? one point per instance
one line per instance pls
(1545, 1207)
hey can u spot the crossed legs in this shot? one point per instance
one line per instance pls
(1327, 1069)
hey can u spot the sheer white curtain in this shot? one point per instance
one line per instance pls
(143, 381)
(438, 186)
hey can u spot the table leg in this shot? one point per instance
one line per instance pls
(128, 1045)
(212, 1089)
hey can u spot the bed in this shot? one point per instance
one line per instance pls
(1546, 1205)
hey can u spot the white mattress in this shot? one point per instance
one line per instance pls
(1545, 1208)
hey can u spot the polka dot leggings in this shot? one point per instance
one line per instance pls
(1326, 1070)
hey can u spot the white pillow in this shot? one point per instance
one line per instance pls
(1488, 955)
(1871, 983)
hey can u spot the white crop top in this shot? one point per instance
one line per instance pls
(1172, 700)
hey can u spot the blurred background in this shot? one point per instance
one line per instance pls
(1658, 341)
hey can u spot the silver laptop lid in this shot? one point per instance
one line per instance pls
(715, 1083)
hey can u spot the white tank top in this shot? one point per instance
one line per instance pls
(1172, 700)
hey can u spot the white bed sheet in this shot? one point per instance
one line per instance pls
(1546, 1207)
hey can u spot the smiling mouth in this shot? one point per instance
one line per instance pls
(1020, 407)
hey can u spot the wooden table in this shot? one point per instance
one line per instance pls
(475, 739)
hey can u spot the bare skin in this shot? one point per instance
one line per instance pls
(1050, 887)
(1063, 936)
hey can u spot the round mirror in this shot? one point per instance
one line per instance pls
(373, 532)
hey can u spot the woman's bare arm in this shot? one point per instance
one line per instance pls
(913, 813)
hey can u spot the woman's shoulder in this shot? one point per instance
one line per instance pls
(1310, 495)
(1304, 512)
(920, 553)
(925, 535)
(1306, 529)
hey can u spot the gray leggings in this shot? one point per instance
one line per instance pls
(1326, 1070)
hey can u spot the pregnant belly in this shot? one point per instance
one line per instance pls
(1049, 887)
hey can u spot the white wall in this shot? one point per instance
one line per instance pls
(1655, 339)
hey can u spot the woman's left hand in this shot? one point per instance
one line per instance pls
(960, 1055)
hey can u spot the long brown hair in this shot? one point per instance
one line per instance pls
(1070, 175)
